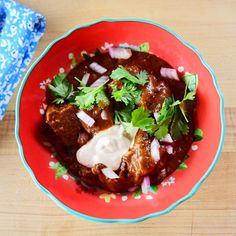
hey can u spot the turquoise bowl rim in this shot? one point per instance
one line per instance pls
(171, 207)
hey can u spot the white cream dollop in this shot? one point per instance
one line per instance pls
(107, 147)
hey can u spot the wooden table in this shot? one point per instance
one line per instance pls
(208, 25)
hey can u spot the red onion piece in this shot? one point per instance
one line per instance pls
(120, 53)
(109, 173)
(155, 150)
(97, 68)
(169, 149)
(85, 78)
(104, 115)
(100, 81)
(169, 73)
(167, 139)
(145, 184)
(85, 118)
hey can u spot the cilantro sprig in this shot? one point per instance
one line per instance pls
(121, 73)
(88, 97)
(128, 94)
(61, 88)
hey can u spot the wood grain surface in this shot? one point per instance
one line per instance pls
(208, 25)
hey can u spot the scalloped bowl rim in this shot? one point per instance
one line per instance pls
(171, 207)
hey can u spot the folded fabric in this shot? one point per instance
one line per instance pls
(20, 30)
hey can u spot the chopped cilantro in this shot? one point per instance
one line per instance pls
(128, 94)
(60, 88)
(198, 134)
(179, 126)
(121, 73)
(141, 119)
(144, 47)
(60, 169)
(88, 97)
(153, 188)
(182, 166)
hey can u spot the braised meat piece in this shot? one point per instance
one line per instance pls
(64, 122)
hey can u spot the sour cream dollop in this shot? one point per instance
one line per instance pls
(107, 147)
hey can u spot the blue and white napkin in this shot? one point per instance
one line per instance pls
(20, 30)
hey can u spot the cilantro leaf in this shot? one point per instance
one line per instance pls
(137, 193)
(182, 166)
(153, 188)
(190, 96)
(88, 97)
(141, 119)
(162, 131)
(124, 115)
(60, 88)
(191, 81)
(143, 76)
(198, 134)
(178, 127)
(121, 73)
(60, 169)
(144, 47)
(129, 94)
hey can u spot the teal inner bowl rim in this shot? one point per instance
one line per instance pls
(171, 207)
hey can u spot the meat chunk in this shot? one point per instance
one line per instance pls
(64, 122)
(138, 159)
(154, 94)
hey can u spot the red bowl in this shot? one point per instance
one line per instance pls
(103, 206)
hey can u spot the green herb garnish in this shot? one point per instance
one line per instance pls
(60, 88)
(128, 94)
(60, 169)
(144, 47)
(183, 165)
(121, 73)
(198, 134)
(141, 119)
(88, 97)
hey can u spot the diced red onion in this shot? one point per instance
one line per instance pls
(169, 73)
(120, 53)
(132, 189)
(109, 173)
(85, 118)
(155, 150)
(97, 68)
(156, 116)
(104, 115)
(100, 81)
(169, 149)
(145, 184)
(85, 78)
(167, 139)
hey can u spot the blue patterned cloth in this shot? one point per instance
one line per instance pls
(20, 30)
